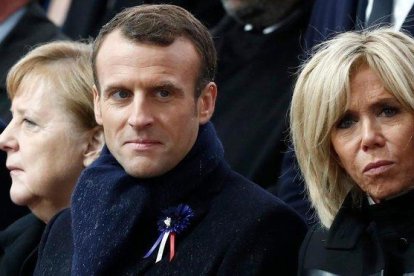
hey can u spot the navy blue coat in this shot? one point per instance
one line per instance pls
(244, 231)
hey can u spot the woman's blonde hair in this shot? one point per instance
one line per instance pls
(320, 99)
(68, 67)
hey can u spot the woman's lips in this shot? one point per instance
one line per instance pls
(14, 169)
(378, 167)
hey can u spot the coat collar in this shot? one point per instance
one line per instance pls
(396, 214)
(347, 227)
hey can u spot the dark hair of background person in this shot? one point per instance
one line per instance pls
(84, 19)
(161, 25)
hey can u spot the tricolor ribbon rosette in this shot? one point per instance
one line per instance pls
(173, 221)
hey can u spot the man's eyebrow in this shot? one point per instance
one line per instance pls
(112, 87)
(167, 85)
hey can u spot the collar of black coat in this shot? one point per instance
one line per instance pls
(353, 219)
(348, 224)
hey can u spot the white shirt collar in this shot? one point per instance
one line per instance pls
(401, 8)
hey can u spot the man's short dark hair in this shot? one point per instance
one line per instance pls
(161, 25)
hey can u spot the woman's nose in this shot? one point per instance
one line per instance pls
(7, 140)
(372, 136)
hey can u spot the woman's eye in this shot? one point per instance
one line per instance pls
(29, 122)
(346, 122)
(388, 111)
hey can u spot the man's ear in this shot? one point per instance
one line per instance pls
(94, 146)
(206, 102)
(96, 105)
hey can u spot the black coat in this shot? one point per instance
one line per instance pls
(363, 240)
(237, 229)
(18, 246)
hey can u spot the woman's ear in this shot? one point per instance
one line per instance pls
(94, 147)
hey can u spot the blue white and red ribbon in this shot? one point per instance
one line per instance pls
(174, 221)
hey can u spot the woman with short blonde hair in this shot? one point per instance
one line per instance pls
(52, 136)
(352, 102)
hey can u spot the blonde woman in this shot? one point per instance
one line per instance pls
(51, 138)
(352, 124)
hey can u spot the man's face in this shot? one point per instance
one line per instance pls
(146, 102)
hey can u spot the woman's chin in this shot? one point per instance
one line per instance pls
(20, 196)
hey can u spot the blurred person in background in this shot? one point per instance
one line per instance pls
(330, 17)
(23, 25)
(83, 19)
(259, 43)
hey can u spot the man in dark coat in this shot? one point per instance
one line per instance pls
(161, 199)
(23, 24)
(330, 17)
(258, 45)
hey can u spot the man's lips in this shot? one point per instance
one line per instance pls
(378, 167)
(143, 144)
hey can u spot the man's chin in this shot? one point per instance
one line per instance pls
(144, 171)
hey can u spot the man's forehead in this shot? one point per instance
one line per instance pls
(110, 39)
(117, 46)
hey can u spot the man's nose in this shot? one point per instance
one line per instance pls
(141, 113)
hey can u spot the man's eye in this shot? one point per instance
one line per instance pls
(121, 94)
(163, 93)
